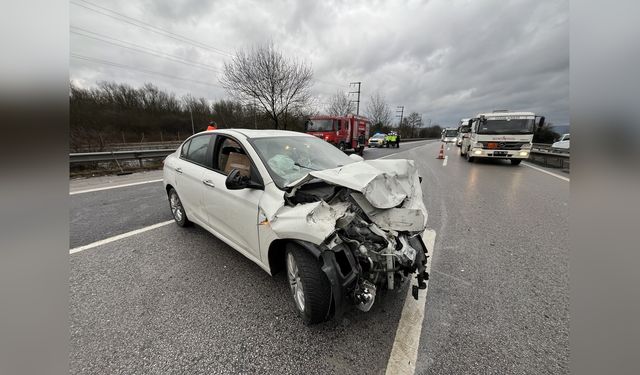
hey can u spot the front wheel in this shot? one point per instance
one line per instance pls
(469, 158)
(177, 209)
(342, 146)
(515, 161)
(310, 288)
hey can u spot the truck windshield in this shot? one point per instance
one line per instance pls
(319, 126)
(520, 126)
(451, 133)
(465, 129)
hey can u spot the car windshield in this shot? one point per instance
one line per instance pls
(318, 125)
(451, 133)
(377, 136)
(465, 129)
(290, 158)
(513, 126)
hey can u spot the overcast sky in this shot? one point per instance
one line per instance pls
(445, 59)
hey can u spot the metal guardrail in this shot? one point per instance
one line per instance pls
(546, 155)
(86, 157)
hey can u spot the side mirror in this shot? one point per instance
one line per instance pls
(356, 157)
(236, 181)
(483, 120)
(541, 122)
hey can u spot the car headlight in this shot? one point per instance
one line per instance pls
(524, 153)
(477, 152)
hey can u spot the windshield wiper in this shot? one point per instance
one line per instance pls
(304, 166)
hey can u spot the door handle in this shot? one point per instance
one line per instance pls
(208, 183)
(179, 170)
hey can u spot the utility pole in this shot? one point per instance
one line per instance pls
(401, 114)
(356, 92)
(193, 129)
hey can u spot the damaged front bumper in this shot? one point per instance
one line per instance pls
(364, 221)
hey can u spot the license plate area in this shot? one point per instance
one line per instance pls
(499, 153)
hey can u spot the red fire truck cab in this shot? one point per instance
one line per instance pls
(345, 132)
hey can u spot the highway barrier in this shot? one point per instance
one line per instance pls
(548, 156)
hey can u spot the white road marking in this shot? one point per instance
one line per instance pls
(114, 187)
(547, 172)
(119, 237)
(444, 162)
(405, 346)
(386, 156)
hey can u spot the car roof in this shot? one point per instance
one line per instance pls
(259, 133)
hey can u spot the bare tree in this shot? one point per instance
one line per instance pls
(378, 111)
(339, 104)
(414, 120)
(279, 84)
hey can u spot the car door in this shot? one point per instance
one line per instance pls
(195, 158)
(233, 213)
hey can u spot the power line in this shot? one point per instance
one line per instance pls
(138, 48)
(128, 67)
(147, 26)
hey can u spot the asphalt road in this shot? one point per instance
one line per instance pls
(174, 300)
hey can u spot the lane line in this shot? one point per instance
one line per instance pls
(405, 346)
(119, 237)
(547, 172)
(444, 162)
(114, 187)
(386, 156)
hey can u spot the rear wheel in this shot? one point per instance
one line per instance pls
(310, 288)
(177, 209)
(515, 161)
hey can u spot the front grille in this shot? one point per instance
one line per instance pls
(504, 145)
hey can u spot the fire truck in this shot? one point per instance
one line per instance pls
(348, 133)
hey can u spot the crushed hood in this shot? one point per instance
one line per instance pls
(387, 191)
(384, 183)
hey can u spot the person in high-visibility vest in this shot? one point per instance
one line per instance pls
(212, 126)
(392, 139)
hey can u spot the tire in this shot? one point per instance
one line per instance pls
(470, 159)
(342, 146)
(516, 161)
(177, 209)
(309, 286)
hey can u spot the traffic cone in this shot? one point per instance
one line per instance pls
(441, 153)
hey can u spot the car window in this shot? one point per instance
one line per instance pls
(197, 151)
(230, 155)
(185, 148)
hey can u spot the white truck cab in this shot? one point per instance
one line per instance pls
(463, 130)
(501, 135)
(449, 135)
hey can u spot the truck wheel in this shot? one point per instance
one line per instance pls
(469, 158)
(310, 288)
(177, 209)
(342, 146)
(515, 161)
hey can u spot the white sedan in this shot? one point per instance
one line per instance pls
(339, 225)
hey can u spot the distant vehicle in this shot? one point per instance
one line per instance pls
(563, 142)
(449, 135)
(378, 140)
(500, 135)
(345, 132)
(463, 129)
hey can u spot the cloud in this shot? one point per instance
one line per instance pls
(445, 59)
